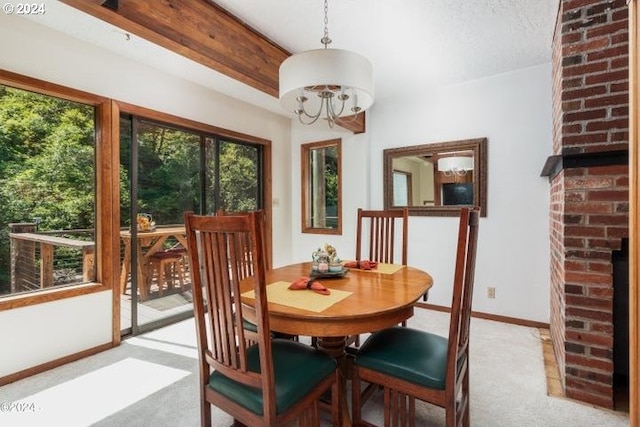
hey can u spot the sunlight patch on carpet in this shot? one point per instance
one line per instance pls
(166, 346)
(92, 397)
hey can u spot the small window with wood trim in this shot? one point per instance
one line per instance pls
(321, 187)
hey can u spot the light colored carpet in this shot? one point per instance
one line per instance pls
(508, 385)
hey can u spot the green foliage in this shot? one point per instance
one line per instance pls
(168, 173)
(47, 166)
(238, 177)
(331, 177)
(47, 169)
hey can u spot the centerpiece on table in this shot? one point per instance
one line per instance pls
(325, 261)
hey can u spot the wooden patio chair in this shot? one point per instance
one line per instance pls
(413, 364)
(167, 267)
(272, 382)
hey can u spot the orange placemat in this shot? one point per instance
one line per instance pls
(279, 293)
(384, 268)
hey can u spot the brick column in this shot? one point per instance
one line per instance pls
(589, 190)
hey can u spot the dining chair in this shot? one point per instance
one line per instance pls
(377, 231)
(263, 217)
(413, 364)
(260, 213)
(381, 237)
(272, 382)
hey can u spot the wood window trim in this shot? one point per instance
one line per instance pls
(106, 217)
(305, 149)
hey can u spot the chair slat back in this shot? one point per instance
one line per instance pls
(382, 234)
(462, 293)
(262, 215)
(224, 251)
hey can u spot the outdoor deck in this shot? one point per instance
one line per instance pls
(156, 307)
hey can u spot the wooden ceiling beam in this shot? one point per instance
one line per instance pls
(203, 32)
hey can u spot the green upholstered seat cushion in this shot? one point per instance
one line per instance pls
(409, 354)
(249, 326)
(298, 369)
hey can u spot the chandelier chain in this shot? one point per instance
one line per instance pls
(325, 40)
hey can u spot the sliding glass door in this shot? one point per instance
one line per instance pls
(166, 171)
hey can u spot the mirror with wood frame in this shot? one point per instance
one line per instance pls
(437, 179)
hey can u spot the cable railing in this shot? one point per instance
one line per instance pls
(41, 260)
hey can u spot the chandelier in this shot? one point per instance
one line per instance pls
(326, 83)
(457, 165)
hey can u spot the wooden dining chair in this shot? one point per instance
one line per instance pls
(247, 271)
(413, 364)
(272, 382)
(381, 235)
(376, 240)
(263, 217)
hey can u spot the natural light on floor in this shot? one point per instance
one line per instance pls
(178, 338)
(166, 346)
(75, 402)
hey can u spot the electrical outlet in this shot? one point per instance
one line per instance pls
(491, 292)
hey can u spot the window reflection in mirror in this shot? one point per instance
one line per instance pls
(321, 187)
(436, 179)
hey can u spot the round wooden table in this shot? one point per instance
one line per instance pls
(377, 301)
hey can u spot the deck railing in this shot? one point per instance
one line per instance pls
(41, 260)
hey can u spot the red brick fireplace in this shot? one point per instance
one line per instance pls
(588, 176)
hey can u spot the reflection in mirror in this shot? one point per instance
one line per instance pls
(321, 187)
(436, 179)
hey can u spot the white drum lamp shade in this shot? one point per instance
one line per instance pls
(455, 164)
(309, 73)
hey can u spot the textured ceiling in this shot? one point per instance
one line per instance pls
(412, 44)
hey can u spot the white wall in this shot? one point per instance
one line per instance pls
(36, 51)
(40, 333)
(513, 111)
(355, 190)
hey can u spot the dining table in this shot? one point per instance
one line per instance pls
(148, 243)
(360, 301)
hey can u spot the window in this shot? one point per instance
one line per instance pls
(181, 169)
(321, 187)
(239, 176)
(402, 188)
(47, 191)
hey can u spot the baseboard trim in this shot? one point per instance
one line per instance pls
(53, 364)
(488, 316)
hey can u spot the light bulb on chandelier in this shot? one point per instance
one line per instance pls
(326, 83)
